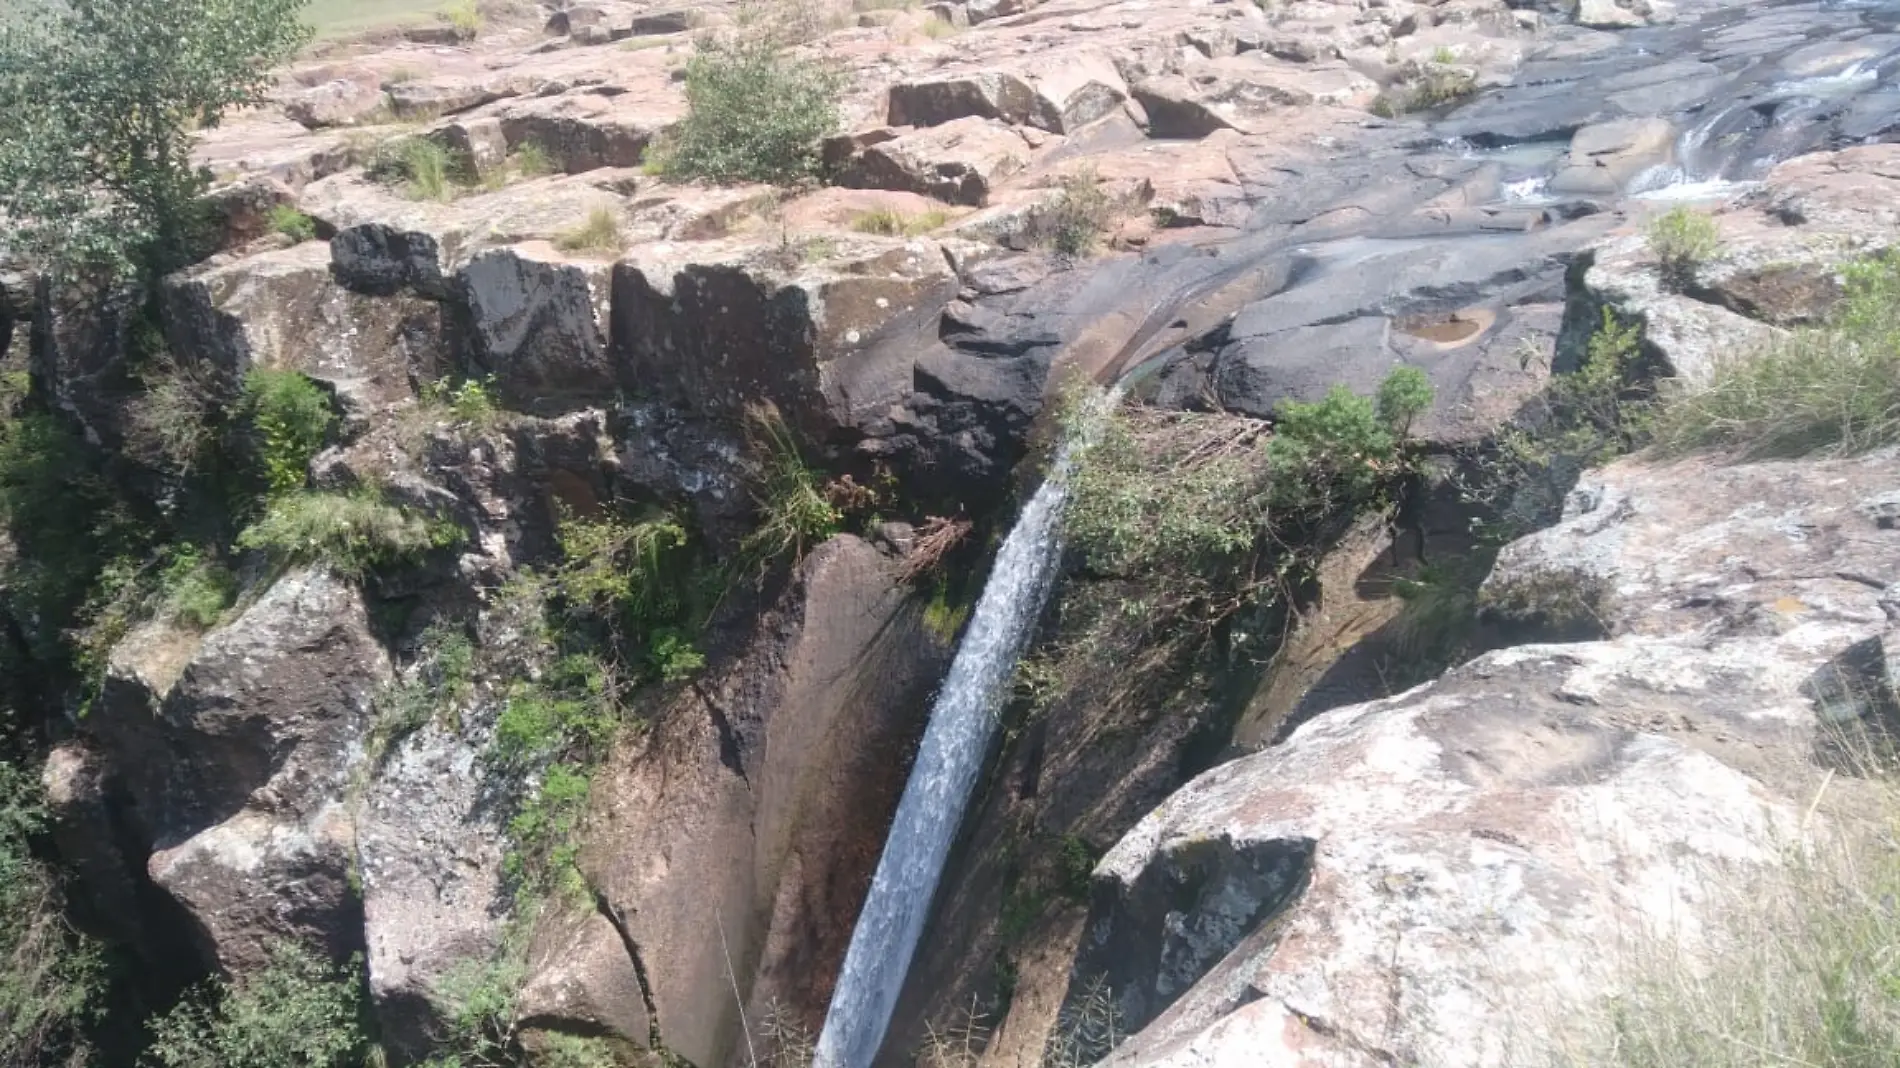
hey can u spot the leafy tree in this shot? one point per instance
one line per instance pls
(99, 101)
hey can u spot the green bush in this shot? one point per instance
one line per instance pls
(1832, 389)
(299, 1012)
(464, 17)
(754, 113)
(351, 533)
(52, 980)
(292, 416)
(101, 101)
(470, 402)
(194, 591)
(294, 224)
(1583, 418)
(1682, 239)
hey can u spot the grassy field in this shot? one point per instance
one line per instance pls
(335, 17)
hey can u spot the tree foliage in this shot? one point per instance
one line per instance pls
(99, 102)
(298, 1012)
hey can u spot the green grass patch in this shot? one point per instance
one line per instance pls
(1682, 239)
(352, 533)
(893, 223)
(1832, 389)
(600, 234)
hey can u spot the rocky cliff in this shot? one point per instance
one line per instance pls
(1263, 845)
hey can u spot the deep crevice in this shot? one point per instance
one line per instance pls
(613, 915)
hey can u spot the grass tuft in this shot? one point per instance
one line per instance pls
(1832, 389)
(1683, 239)
(599, 234)
(893, 223)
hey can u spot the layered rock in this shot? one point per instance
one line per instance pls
(1473, 851)
(734, 845)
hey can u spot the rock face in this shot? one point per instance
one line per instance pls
(235, 749)
(538, 328)
(747, 826)
(957, 162)
(1464, 850)
(341, 96)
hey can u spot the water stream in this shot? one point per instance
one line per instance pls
(963, 723)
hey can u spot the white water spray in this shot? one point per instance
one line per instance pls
(962, 725)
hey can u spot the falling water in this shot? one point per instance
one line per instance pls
(955, 745)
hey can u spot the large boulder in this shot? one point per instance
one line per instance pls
(1243, 94)
(1060, 97)
(1604, 158)
(583, 131)
(539, 328)
(733, 846)
(958, 162)
(1476, 850)
(342, 95)
(283, 310)
(234, 750)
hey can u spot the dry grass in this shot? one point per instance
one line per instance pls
(1833, 389)
(599, 234)
(893, 223)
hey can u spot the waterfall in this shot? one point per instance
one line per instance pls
(962, 724)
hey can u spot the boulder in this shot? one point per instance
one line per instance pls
(241, 211)
(424, 100)
(832, 346)
(958, 162)
(344, 95)
(1604, 158)
(705, 852)
(1481, 848)
(1242, 94)
(478, 146)
(654, 23)
(80, 359)
(284, 310)
(234, 750)
(538, 328)
(583, 131)
(1060, 98)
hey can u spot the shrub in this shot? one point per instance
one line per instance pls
(894, 223)
(170, 425)
(472, 401)
(351, 533)
(292, 417)
(51, 979)
(794, 513)
(1828, 389)
(1583, 419)
(1405, 395)
(600, 233)
(298, 1012)
(1682, 240)
(1433, 85)
(102, 101)
(1073, 220)
(754, 113)
(292, 223)
(194, 591)
(464, 17)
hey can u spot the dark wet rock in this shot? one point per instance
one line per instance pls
(380, 260)
(538, 329)
(772, 855)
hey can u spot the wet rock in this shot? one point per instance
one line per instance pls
(538, 328)
(344, 95)
(774, 857)
(958, 162)
(283, 310)
(234, 750)
(1603, 158)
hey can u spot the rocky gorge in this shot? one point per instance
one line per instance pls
(1301, 833)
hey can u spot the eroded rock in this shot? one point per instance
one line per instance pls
(958, 162)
